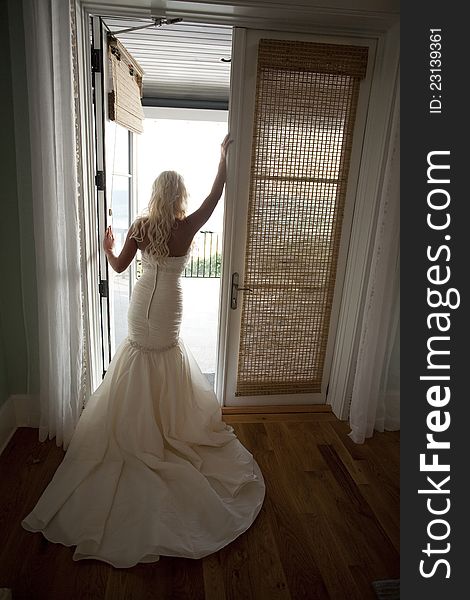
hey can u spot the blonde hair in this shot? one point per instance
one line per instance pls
(168, 203)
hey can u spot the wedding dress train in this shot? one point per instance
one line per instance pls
(151, 469)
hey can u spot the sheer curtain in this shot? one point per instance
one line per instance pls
(375, 397)
(56, 216)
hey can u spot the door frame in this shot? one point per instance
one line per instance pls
(384, 27)
(97, 343)
(95, 364)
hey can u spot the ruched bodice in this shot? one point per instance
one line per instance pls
(156, 309)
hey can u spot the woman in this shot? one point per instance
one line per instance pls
(152, 469)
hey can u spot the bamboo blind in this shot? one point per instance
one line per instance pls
(306, 99)
(124, 100)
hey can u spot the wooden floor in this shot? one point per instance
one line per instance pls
(328, 528)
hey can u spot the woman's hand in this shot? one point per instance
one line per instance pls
(108, 242)
(224, 146)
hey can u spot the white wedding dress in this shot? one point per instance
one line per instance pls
(151, 469)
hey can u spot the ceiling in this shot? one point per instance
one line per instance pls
(181, 62)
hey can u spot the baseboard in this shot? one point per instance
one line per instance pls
(19, 410)
(287, 408)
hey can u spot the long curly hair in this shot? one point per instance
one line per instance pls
(167, 204)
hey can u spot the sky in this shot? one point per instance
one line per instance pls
(190, 147)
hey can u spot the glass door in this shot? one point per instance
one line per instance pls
(115, 198)
(120, 186)
(120, 156)
(99, 78)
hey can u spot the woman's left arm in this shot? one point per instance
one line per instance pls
(121, 262)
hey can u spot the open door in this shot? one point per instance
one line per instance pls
(115, 196)
(298, 110)
(98, 64)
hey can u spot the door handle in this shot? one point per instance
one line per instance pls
(236, 289)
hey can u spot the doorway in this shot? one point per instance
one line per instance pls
(182, 130)
(241, 121)
(201, 130)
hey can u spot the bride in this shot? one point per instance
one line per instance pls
(152, 469)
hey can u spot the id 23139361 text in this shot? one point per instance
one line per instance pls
(435, 71)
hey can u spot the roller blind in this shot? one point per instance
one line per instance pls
(124, 100)
(305, 108)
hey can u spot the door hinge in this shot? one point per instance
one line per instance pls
(103, 288)
(96, 66)
(99, 180)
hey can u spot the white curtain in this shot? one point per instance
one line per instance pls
(376, 396)
(56, 216)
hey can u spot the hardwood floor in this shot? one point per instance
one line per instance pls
(328, 528)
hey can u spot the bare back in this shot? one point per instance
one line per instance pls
(180, 239)
(183, 231)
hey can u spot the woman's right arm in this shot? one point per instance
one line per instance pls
(123, 260)
(197, 219)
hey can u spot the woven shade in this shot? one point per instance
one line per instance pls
(124, 100)
(306, 99)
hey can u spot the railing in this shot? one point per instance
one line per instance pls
(205, 258)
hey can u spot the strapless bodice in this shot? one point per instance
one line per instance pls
(169, 264)
(156, 307)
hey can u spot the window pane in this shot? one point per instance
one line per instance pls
(117, 149)
(119, 202)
